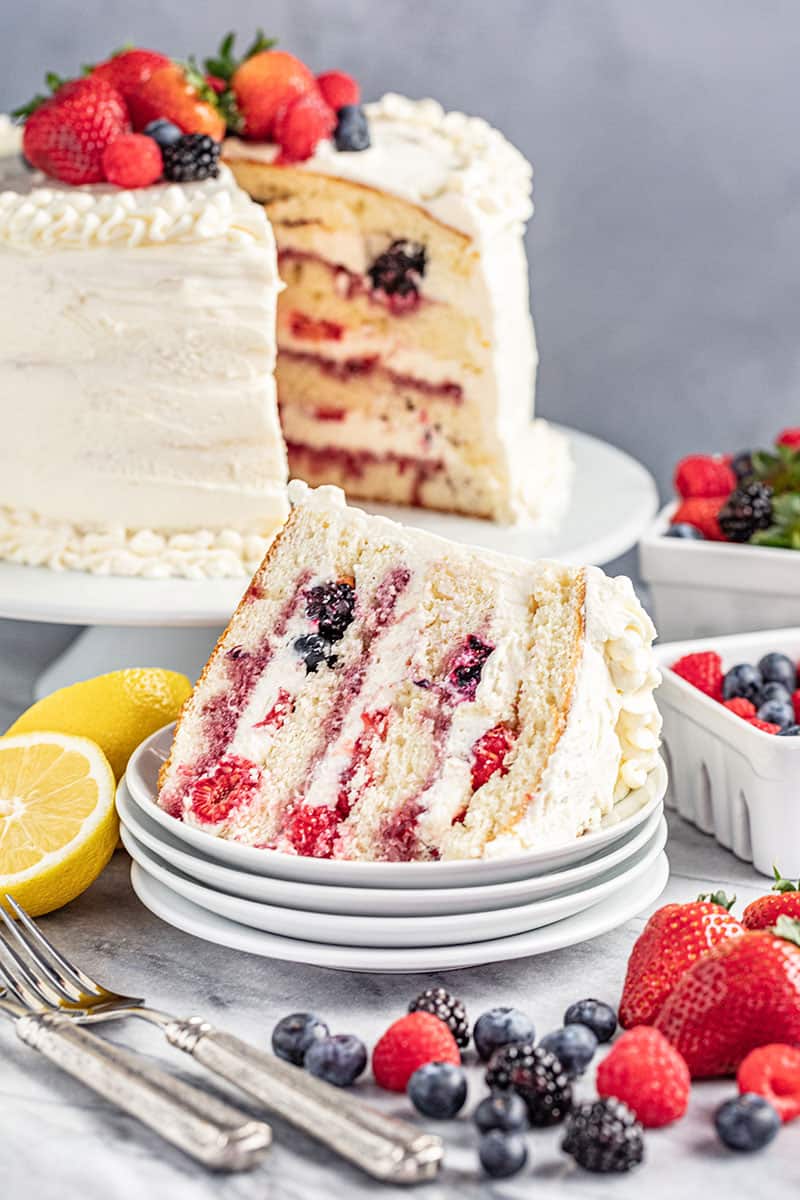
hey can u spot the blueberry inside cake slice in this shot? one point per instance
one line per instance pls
(383, 694)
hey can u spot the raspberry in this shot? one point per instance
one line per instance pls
(489, 754)
(311, 828)
(764, 726)
(648, 1074)
(773, 1072)
(703, 670)
(233, 782)
(740, 707)
(702, 476)
(796, 705)
(702, 513)
(409, 1043)
(789, 437)
(338, 89)
(132, 161)
(302, 125)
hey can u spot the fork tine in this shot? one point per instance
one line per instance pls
(10, 986)
(62, 989)
(71, 973)
(17, 971)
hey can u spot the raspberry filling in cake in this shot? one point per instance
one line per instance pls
(381, 694)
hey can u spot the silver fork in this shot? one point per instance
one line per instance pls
(386, 1148)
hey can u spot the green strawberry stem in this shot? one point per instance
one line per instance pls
(787, 928)
(783, 885)
(720, 898)
(225, 62)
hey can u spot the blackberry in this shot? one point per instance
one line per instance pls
(604, 1137)
(447, 1008)
(314, 650)
(537, 1076)
(332, 606)
(398, 270)
(746, 510)
(193, 156)
(466, 670)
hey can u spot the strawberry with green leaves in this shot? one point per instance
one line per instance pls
(261, 84)
(784, 900)
(67, 133)
(178, 94)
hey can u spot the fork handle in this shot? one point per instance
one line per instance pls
(204, 1127)
(385, 1148)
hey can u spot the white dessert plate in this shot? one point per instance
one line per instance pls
(601, 523)
(142, 781)
(391, 902)
(594, 921)
(393, 932)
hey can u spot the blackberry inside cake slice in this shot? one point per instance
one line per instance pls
(383, 694)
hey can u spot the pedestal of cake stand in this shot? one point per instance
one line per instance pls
(175, 622)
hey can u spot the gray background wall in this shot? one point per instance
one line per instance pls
(665, 250)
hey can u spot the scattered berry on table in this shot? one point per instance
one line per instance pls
(743, 680)
(163, 132)
(774, 1073)
(598, 1016)
(574, 1046)
(499, 1027)
(338, 1060)
(777, 712)
(700, 475)
(502, 1154)
(501, 1110)
(194, 156)
(746, 1123)
(339, 89)
(648, 1075)
(438, 1090)
(293, 1035)
(778, 668)
(788, 437)
(789, 731)
(746, 510)
(314, 650)
(332, 605)
(302, 125)
(764, 726)
(691, 532)
(742, 465)
(447, 1008)
(537, 1076)
(702, 670)
(740, 707)
(352, 128)
(702, 513)
(132, 161)
(409, 1043)
(66, 135)
(604, 1137)
(783, 900)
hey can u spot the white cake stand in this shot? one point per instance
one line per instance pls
(174, 622)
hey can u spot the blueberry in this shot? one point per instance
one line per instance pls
(499, 1027)
(163, 132)
(778, 668)
(742, 680)
(749, 1122)
(352, 130)
(600, 1018)
(292, 1036)
(742, 465)
(339, 1059)
(502, 1154)
(774, 691)
(682, 530)
(502, 1110)
(777, 712)
(789, 731)
(438, 1090)
(574, 1047)
(314, 650)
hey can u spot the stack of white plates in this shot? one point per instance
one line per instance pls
(384, 916)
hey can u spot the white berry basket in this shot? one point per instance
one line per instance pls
(704, 589)
(725, 776)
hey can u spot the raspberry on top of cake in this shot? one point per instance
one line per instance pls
(383, 694)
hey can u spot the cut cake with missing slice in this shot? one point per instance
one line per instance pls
(383, 694)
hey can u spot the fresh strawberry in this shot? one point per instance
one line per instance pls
(648, 1075)
(675, 937)
(742, 994)
(701, 512)
(338, 89)
(789, 437)
(489, 754)
(66, 135)
(740, 707)
(177, 95)
(703, 670)
(265, 84)
(774, 1073)
(409, 1043)
(764, 726)
(302, 125)
(132, 161)
(699, 475)
(783, 900)
(129, 69)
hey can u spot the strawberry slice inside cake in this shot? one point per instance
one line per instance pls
(383, 694)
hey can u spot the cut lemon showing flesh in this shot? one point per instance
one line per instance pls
(118, 710)
(58, 824)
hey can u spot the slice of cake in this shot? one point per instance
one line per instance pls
(383, 694)
(406, 349)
